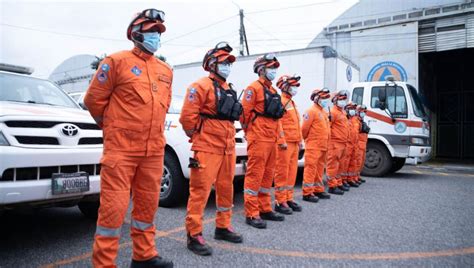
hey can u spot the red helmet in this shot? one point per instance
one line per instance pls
(340, 95)
(220, 53)
(265, 61)
(147, 21)
(351, 106)
(286, 81)
(361, 108)
(320, 94)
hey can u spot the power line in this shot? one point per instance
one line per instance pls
(200, 29)
(62, 33)
(290, 7)
(265, 31)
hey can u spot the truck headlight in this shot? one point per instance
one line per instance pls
(417, 141)
(3, 140)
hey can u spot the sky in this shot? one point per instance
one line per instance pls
(42, 34)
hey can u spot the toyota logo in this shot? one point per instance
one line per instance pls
(70, 130)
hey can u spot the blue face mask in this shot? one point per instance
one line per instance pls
(270, 74)
(352, 112)
(151, 41)
(341, 103)
(223, 70)
(324, 103)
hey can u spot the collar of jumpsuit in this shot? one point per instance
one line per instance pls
(266, 82)
(215, 77)
(140, 53)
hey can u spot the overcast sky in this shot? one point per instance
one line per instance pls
(42, 34)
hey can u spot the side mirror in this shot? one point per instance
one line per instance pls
(380, 105)
(383, 95)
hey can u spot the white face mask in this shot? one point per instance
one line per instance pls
(293, 91)
(352, 112)
(341, 103)
(324, 103)
(270, 74)
(362, 114)
(223, 70)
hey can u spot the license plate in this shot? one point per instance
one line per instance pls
(66, 183)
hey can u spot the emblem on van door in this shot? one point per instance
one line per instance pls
(400, 127)
(387, 68)
(70, 130)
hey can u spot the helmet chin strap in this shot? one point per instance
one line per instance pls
(214, 71)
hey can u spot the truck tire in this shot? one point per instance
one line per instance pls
(378, 161)
(174, 188)
(89, 209)
(397, 164)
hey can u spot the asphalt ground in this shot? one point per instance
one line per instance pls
(417, 217)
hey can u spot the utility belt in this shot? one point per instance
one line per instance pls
(364, 128)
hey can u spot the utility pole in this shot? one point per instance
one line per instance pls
(243, 35)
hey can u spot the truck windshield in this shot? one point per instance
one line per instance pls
(24, 89)
(416, 101)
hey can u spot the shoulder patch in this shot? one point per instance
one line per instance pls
(102, 77)
(105, 67)
(248, 94)
(305, 116)
(192, 94)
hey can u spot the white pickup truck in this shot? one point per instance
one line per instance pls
(50, 148)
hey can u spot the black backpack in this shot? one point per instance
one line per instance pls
(228, 106)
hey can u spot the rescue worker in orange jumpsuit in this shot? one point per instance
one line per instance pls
(128, 98)
(362, 143)
(350, 160)
(261, 123)
(287, 158)
(337, 143)
(316, 132)
(209, 111)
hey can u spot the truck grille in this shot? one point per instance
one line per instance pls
(39, 173)
(49, 124)
(37, 140)
(85, 141)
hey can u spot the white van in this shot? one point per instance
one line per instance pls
(399, 127)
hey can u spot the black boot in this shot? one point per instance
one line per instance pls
(311, 198)
(283, 209)
(323, 195)
(344, 188)
(152, 263)
(335, 190)
(256, 222)
(198, 245)
(294, 206)
(345, 184)
(228, 234)
(353, 184)
(271, 216)
(361, 180)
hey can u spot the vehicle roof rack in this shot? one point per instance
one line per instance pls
(16, 68)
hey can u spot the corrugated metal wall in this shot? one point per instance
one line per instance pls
(446, 33)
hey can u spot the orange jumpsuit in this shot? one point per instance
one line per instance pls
(363, 137)
(353, 168)
(129, 97)
(214, 149)
(287, 160)
(337, 145)
(351, 146)
(316, 133)
(262, 134)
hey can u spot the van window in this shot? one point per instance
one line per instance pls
(396, 100)
(358, 95)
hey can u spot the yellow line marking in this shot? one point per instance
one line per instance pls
(339, 256)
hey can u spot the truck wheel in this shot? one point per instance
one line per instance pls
(89, 209)
(378, 160)
(397, 164)
(173, 185)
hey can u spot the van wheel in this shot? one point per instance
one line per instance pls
(397, 164)
(174, 188)
(89, 209)
(378, 161)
